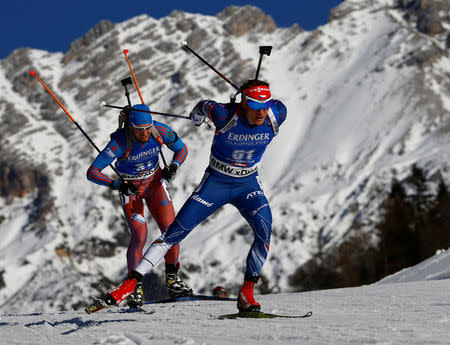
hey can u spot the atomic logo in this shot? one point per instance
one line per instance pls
(255, 193)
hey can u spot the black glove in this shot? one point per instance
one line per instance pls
(125, 188)
(125, 110)
(123, 117)
(169, 172)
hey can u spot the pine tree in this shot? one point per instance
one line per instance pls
(438, 222)
(397, 237)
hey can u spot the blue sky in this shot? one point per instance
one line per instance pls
(53, 25)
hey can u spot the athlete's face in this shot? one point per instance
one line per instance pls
(142, 132)
(255, 117)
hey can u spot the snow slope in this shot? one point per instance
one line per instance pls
(359, 113)
(412, 312)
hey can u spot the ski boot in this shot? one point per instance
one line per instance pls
(117, 295)
(135, 299)
(246, 302)
(175, 286)
(128, 287)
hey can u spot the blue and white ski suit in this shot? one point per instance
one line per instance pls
(231, 178)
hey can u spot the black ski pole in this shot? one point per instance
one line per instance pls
(189, 49)
(73, 120)
(103, 104)
(263, 50)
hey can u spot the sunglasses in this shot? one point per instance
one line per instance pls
(258, 106)
(141, 129)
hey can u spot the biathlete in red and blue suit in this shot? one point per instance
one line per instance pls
(135, 149)
(243, 132)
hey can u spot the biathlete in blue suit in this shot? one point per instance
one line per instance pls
(243, 132)
(135, 150)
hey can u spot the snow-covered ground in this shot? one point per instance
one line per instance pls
(367, 98)
(410, 307)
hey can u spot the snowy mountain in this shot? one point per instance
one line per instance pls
(367, 97)
(407, 308)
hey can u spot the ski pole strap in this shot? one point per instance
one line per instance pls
(231, 170)
(160, 141)
(129, 138)
(233, 121)
(273, 122)
(157, 136)
(229, 125)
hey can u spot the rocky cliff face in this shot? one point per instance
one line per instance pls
(428, 15)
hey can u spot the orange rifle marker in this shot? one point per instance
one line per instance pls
(134, 78)
(125, 52)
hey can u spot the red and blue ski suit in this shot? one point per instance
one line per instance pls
(231, 178)
(141, 168)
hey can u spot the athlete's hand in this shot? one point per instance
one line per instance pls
(169, 172)
(196, 115)
(123, 187)
(125, 110)
(123, 117)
